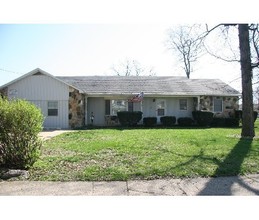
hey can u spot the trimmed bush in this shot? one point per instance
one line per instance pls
(231, 122)
(149, 121)
(185, 121)
(225, 122)
(20, 124)
(239, 113)
(218, 122)
(168, 120)
(129, 118)
(203, 118)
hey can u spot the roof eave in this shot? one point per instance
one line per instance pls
(103, 94)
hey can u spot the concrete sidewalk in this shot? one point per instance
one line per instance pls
(238, 185)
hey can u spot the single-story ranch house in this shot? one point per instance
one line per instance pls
(68, 102)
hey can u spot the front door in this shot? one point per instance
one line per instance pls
(160, 108)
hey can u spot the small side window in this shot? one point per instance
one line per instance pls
(52, 108)
(218, 105)
(107, 107)
(183, 104)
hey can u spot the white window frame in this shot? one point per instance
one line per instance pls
(157, 109)
(186, 107)
(114, 112)
(217, 99)
(51, 108)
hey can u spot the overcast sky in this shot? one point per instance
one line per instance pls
(93, 44)
(93, 49)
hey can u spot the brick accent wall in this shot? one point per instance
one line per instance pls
(76, 109)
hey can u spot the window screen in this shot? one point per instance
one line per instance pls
(183, 104)
(217, 105)
(52, 108)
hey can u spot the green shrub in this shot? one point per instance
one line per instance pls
(231, 122)
(185, 121)
(168, 120)
(239, 113)
(129, 118)
(150, 121)
(203, 118)
(20, 124)
(218, 122)
(225, 122)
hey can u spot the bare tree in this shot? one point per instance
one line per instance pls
(226, 47)
(123, 69)
(256, 97)
(247, 74)
(132, 68)
(254, 39)
(248, 36)
(186, 42)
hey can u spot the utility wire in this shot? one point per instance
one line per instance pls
(10, 71)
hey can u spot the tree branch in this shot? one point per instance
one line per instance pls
(221, 58)
(254, 43)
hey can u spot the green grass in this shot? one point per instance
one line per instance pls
(123, 154)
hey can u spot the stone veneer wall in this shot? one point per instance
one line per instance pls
(206, 103)
(76, 108)
(229, 105)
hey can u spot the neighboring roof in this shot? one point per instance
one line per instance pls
(164, 85)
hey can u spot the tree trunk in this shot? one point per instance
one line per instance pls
(247, 91)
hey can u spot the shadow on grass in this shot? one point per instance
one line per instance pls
(230, 166)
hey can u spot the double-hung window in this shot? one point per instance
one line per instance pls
(161, 107)
(183, 104)
(52, 108)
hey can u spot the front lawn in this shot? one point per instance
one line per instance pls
(122, 154)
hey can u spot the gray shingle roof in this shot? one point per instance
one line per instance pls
(164, 85)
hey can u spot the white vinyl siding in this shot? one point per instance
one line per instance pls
(172, 107)
(40, 90)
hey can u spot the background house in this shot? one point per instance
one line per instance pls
(67, 102)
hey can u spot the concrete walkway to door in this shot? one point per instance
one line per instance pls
(45, 135)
